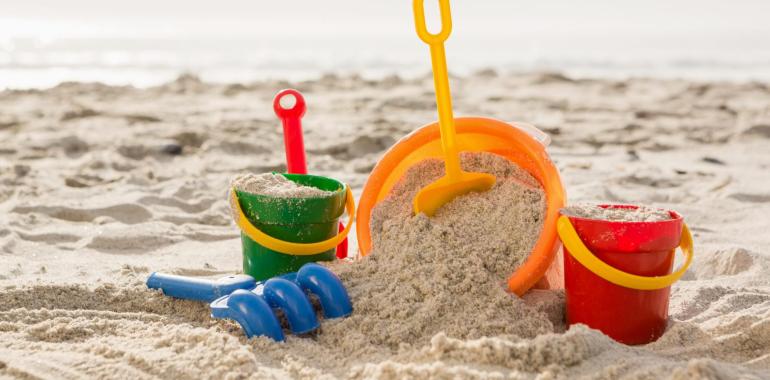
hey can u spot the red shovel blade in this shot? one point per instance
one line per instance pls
(294, 145)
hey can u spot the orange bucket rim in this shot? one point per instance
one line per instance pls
(543, 253)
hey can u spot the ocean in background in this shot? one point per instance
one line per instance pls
(144, 43)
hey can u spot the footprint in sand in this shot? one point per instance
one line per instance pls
(79, 113)
(7, 240)
(190, 139)
(727, 262)
(204, 219)
(410, 103)
(693, 305)
(138, 239)
(124, 213)
(760, 130)
(360, 146)
(750, 198)
(722, 304)
(117, 331)
(74, 146)
(49, 237)
(237, 148)
(140, 118)
(191, 207)
(86, 180)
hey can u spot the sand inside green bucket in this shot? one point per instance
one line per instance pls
(276, 185)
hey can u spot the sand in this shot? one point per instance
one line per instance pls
(275, 185)
(100, 185)
(435, 278)
(617, 214)
(451, 265)
(494, 230)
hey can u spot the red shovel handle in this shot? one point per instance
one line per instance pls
(294, 144)
(342, 248)
(292, 130)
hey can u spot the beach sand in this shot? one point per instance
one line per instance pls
(100, 186)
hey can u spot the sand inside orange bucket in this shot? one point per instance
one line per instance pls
(499, 226)
(518, 145)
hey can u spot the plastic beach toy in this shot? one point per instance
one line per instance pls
(291, 118)
(253, 304)
(456, 181)
(520, 143)
(515, 143)
(279, 235)
(618, 274)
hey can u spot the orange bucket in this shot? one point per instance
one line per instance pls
(476, 134)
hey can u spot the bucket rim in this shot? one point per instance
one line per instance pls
(265, 209)
(540, 258)
(298, 179)
(675, 216)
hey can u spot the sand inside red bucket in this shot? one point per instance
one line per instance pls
(617, 214)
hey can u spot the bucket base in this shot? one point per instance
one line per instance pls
(626, 315)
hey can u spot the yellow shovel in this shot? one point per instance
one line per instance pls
(456, 181)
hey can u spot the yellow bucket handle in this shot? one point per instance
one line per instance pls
(287, 247)
(583, 255)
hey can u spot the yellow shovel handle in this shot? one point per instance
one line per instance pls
(287, 247)
(441, 81)
(583, 255)
(422, 29)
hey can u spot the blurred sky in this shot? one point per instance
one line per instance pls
(257, 37)
(258, 18)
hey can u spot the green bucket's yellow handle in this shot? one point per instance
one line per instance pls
(287, 247)
(583, 255)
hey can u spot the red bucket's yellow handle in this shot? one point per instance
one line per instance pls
(583, 255)
(287, 247)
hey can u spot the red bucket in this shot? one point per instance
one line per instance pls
(618, 274)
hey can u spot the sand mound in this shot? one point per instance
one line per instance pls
(446, 273)
(73, 304)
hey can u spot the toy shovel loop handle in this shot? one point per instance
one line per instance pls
(287, 247)
(422, 29)
(583, 255)
(295, 112)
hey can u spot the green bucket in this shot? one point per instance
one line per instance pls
(297, 220)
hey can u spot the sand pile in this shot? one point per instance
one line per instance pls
(86, 216)
(446, 273)
(442, 277)
(640, 214)
(275, 185)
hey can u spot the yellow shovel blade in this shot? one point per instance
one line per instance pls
(430, 198)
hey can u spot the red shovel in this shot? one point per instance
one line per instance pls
(291, 117)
